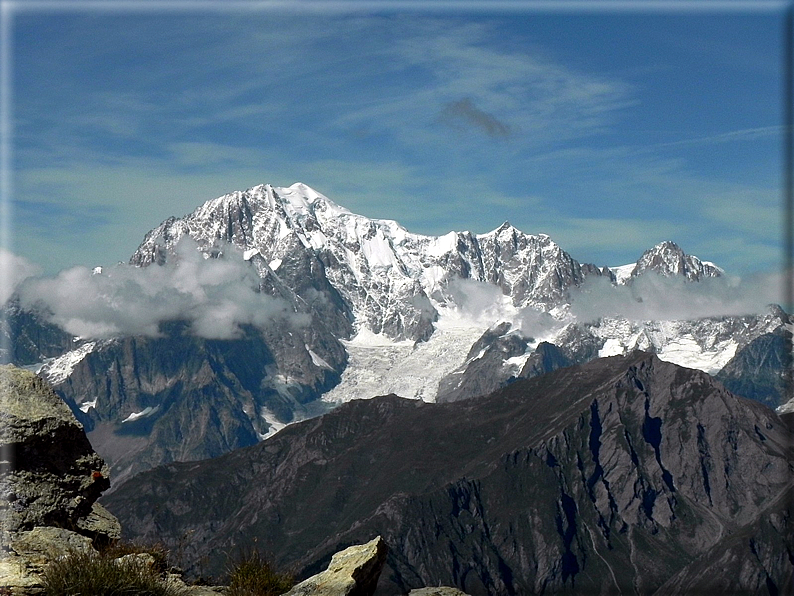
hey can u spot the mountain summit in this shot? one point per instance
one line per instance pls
(384, 274)
(667, 258)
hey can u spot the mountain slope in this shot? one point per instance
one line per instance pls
(617, 474)
(147, 401)
(668, 259)
(762, 369)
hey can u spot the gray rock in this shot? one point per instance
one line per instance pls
(28, 553)
(51, 479)
(53, 476)
(99, 524)
(351, 572)
(176, 580)
(42, 544)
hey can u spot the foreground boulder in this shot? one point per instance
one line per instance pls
(49, 483)
(351, 572)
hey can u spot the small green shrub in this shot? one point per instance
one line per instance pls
(92, 574)
(254, 575)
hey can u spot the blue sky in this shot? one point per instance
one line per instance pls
(609, 128)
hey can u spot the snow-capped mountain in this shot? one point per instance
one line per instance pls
(396, 286)
(384, 311)
(391, 281)
(667, 258)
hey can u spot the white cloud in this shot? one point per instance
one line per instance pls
(13, 270)
(654, 297)
(215, 295)
(487, 305)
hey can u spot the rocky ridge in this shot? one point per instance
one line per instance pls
(384, 275)
(626, 475)
(145, 401)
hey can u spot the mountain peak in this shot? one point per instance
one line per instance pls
(669, 259)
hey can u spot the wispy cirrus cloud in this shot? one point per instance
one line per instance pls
(123, 120)
(745, 134)
(454, 71)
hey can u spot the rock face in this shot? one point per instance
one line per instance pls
(30, 338)
(146, 401)
(762, 369)
(373, 271)
(351, 572)
(485, 368)
(51, 479)
(623, 475)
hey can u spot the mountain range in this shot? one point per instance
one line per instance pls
(624, 475)
(368, 308)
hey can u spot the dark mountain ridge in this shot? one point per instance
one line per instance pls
(623, 475)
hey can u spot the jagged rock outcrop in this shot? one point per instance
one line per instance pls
(374, 271)
(353, 571)
(51, 479)
(667, 258)
(759, 369)
(486, 367)
(623, 475)
(497, 359)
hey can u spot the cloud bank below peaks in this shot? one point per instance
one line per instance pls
(655, 297)
(215, 295)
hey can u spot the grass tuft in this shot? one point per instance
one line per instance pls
(254, 575)
(93, 574)
(120, 548)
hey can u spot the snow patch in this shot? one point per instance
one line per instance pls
(317, 360)
(378, 366)
(786, 408)
(378, 252)
(56, 370)
(274, 425)
(623, 272)
(148, 411)
(442, 245)
(87, 405)
(516, 362)
(612, 347)
(685, 351)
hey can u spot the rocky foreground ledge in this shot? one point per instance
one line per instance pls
(51, 478)
(50, 481)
